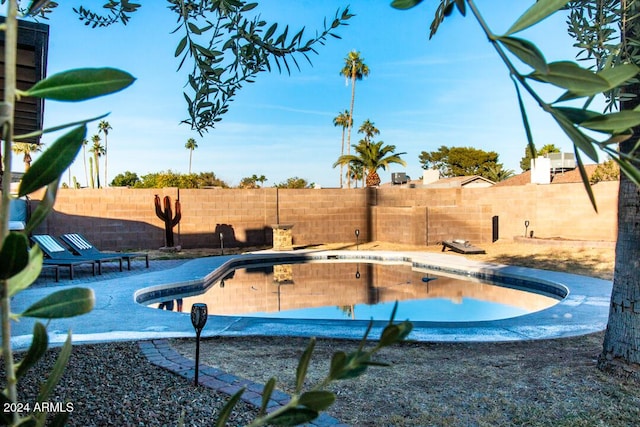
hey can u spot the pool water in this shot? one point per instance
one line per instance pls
(358, 291)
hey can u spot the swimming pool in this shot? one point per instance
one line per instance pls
(583, 308)
(334, 289)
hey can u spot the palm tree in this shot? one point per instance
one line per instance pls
(104, 127)
(261, 179)
(98, 150)
(190, 145)
(344, 120)
(369, 130)
(25, 148)
(354, 69)
(371, 157)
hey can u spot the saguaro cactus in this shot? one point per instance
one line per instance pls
(166, 215)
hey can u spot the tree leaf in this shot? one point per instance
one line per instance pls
(577, 115)
(540, 10)
(61, 304)
(53, 162)
(579, 139)
(36, 350)
(389, 335)
(181, 45)
(266, 395)
(613, 122)
(569, 75)
(225, 413)
(619, 74)
(405, 4)
(28, 275)
(81, 84)
(527, 52)
(14, 255)
(44, 207)
(294, 417)
(56, 371)
(317, 400)
(585, 180)
(338, 363)
(303, 364)
(525, 119)
(57, 128)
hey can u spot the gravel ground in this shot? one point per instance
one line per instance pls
(115, 385)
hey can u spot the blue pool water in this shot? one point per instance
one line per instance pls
(358, 291)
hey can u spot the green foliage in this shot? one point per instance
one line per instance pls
(461, 161)
(370, 156)
(525, 162)
(174, 179)
(612, 73)
(607, 171)
(126, 179)
(305, 406)
(295, 182)
(252, 181)
(230, 45)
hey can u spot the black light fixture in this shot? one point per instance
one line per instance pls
(357, 236)
(198, 320)
(526, 226)
(221, 244)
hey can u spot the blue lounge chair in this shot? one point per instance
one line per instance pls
(81, 246)
(58, 254)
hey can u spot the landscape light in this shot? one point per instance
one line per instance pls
(198, 320)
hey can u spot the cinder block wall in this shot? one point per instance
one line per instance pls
(121, 218)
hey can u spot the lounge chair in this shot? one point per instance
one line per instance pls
(59, 255)
(462, 247)
(81, 246)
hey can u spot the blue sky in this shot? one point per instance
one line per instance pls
(451, 90)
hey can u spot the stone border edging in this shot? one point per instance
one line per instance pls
(160, 353)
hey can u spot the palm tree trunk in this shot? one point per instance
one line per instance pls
(621, 347)
(353, 97)
(84, 161)
(342, 154)
(97, 159)
(106, 149)
(190, 156)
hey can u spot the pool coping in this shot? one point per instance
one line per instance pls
(117, 316)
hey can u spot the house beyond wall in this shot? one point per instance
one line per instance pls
(122, 218)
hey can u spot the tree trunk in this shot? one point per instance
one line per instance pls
(621, 347)
(353, 97)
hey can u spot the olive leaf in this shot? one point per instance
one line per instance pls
(526, 51)
(61, 304)
(53, 162)
(303, 365)
(81, 84)
(44, 207)
(317, 400)
(28, 274)
(226, 410)
(36, 350)
(14, 255)
(536, 13)
(294, 417)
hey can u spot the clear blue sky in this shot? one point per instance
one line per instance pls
(451, 90)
